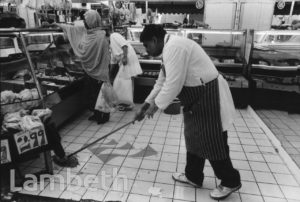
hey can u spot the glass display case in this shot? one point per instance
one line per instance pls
(22, 133)
(275, 67)
(226, 48)
(57, 71)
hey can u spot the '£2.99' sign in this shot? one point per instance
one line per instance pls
(28, 140)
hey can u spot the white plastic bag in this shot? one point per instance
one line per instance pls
(123, 87)
(124, 71)
(109, 94)
(107, 99)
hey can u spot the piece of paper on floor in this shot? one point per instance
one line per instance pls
(155, 191)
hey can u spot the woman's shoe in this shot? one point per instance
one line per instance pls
(102, 117)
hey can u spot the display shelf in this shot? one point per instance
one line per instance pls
(274, 68)
(64, 98)
(20, 143)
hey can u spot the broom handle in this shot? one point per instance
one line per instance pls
(117, 129)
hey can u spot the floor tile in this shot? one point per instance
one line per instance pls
(137, 197)
(291, 192)
(91, 168)
(157, 140)
(272, 199)
(250, 148)
(171, 149)
(132, 162)
(116, 196)
(157, 199)
(33, 189)
(284, 179)
(239, 164)
(167, 190)
(94, 194)
(121, 184)
(184, 193)
(130, 173)
(238, 155)
(73, 192)
(251, 198)
(167, 166)
(247, 175)
(203, 195)
(279, 168)
(53, 190)
(146, 175)
(272, 158)
(164, 177)
(250, 188)
(255, 157)
(209, 183)
(264, 177)
(150, 164)
(270, 190)
(141, 187)
(169, 157)
(259, 166)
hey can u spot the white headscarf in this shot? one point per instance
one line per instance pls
(92, 19)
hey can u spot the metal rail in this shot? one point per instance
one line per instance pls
(30, 30)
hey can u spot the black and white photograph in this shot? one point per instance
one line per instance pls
(150, 100)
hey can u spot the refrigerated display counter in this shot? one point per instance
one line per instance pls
(275, 69)
(225, 47)
(57, 72)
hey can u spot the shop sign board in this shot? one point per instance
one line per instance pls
(5, 152)
(31, 139)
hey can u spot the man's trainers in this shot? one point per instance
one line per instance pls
(180, 177)
(222, 192)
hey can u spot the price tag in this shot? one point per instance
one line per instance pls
(5, 152)
(28, 140)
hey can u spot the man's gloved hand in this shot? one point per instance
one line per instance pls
(141, 113)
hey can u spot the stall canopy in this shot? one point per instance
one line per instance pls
(162, 6)
(178, 6)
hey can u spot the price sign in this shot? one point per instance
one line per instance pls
(5, 152)
(28, 140)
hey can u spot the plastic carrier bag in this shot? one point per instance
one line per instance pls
(107, 98)
(123, 87)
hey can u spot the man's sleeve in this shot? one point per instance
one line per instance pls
(176, 64)
(157, 87)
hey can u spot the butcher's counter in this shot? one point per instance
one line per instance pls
(46, 65)
(232, 73)
(275, 69)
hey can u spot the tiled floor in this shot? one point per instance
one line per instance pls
(135, 164)
(286, 127)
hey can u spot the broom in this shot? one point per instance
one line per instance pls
(71, 161)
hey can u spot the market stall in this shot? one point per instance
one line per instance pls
(23, 113)
(58, 72)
